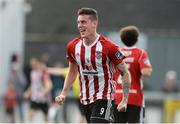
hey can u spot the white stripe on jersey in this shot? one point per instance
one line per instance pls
(100, 72)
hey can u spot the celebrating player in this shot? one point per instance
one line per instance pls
(95, 57)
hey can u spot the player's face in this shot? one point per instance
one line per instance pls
(86, 26)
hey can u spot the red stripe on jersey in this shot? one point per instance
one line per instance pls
(87, 88)
(93, 62)
(106, 76)
(96, 87)
(82, 56)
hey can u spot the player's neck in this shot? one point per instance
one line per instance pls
(89, 40)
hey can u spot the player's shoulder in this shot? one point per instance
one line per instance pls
(142, 51)
(134, 49)
(106, 41)
(73, 42)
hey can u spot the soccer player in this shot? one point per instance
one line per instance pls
(95, 57)
(139, 65)
(39, 89)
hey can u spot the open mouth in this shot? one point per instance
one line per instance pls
(82, 31)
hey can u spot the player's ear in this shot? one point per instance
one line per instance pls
(95, 23)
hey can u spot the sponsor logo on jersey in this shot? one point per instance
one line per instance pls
(90, 72)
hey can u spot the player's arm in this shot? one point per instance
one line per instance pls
(146, 71)
(70, 78)
(126, 84)
(145, 65)
(55, 71)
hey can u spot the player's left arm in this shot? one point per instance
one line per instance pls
(117, 58)
(145, 65)
(146, 71)
(125, 78)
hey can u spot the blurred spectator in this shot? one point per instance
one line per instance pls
(27, 72)
(39, 90)
(10, 98)
(17, 78)
(170, 85)
(45, 59)
(58, 81)
(75, 89)
(172, 105)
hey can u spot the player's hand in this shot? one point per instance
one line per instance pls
(60, 99)
(122, 106)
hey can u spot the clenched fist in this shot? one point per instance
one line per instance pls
(60, 99)
(122, 106)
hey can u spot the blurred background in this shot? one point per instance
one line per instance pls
(42, 28)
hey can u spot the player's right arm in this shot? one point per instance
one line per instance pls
(70, 78)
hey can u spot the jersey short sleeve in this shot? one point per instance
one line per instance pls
(144, 61)
(115, 54)
(69, 52)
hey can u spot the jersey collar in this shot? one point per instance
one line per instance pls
(94, 42)
(133, 47)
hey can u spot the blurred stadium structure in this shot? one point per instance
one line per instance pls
(34, 27)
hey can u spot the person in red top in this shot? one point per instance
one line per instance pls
(95, 57)
(139, 65)
(10, 100)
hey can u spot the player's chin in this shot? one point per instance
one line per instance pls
(83, 36)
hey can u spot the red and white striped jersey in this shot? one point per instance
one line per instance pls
(37, 86)
(96, 65)
(136, 59)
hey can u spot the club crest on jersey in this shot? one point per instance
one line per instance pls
(98, 54)
(118, 55)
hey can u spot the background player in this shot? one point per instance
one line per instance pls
(139, 65)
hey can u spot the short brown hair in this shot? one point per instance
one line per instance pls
(129, 35)
(88, 11)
